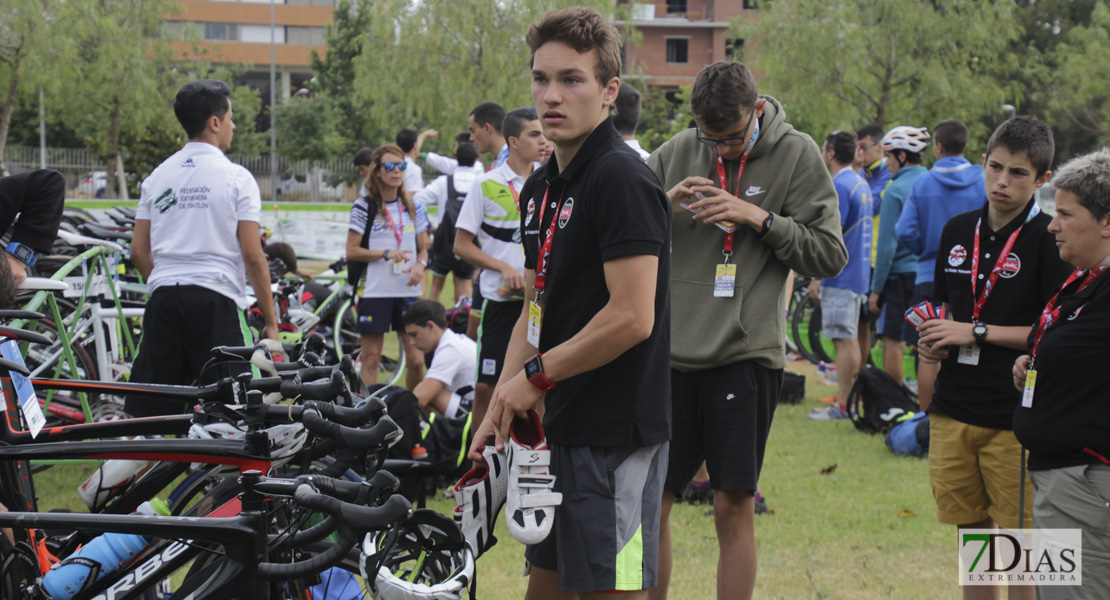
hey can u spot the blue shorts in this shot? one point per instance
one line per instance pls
(895, 300)
(379, 315)
(840, 313)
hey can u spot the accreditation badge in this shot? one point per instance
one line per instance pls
(1027, 393)
(969, 355)
(724, 283)
(534, 316)
(398, 268)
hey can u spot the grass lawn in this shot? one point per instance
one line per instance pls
(863, 530)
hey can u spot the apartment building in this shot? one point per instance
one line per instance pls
(238, 31)
(679, 37)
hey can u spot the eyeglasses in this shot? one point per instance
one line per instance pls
(391, 166)
(866, 147)
(731, 142)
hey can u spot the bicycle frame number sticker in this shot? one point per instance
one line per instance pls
(28, 401)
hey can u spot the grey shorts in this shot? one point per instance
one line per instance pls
(606, 531)
(840, 313)
(1075, 498)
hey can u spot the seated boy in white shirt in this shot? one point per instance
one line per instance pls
(448, 387)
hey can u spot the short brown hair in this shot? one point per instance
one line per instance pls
(584, 29)
(722, 91)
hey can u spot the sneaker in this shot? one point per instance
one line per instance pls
(828, 413)
(828, 372)
(698, 495)
(911, 385)
(480, 494)
(760, 503)
(530, 505)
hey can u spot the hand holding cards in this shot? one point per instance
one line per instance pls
(726, 226)
(925, 311)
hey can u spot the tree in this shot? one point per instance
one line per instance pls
(124, 87)
(843, 64)
(24, 48)
(1061, 71)
(308, 129)
(429, 63)
(334, 75)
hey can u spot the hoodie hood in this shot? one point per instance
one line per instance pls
(957, 173)
(772, 127)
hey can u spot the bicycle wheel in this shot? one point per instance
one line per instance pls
(44, 361)
(799, 327)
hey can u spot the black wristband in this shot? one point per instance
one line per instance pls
(767, 224)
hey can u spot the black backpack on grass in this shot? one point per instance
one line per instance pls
(877, 402)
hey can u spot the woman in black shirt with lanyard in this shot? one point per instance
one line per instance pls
(1064, 416)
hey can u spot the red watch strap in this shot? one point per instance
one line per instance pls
(540, 379)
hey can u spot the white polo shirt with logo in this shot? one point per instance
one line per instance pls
(194, 202)
(490, 212)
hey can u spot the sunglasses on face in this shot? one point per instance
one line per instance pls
(391, 166)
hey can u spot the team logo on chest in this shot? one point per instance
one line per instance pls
(531, 210)
(1010, 267)
(957, 256)
(564, 213)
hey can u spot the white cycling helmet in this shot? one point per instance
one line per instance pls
(910, 139)
(424, 557)
(286, 439)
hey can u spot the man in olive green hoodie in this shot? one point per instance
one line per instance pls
(727, 294)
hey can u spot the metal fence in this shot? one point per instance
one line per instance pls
(299, 181)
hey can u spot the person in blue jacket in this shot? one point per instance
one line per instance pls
(895, 272)
(951, 187)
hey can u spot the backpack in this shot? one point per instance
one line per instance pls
(793, 388)
(458, 318)
(444, 243)
(910, 437)
(877, 402)
(356, 269)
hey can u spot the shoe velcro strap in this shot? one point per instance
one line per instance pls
(532, 458)
(536, 480)
(541, 500)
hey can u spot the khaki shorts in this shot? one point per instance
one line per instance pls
(974, 473)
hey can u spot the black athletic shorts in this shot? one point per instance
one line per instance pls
(721, 416)
(181, 325)
(445, 261)
(498, 320)
(477, 301)
(894, 301)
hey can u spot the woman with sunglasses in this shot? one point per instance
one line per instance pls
(389, 232)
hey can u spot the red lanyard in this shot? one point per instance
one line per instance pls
(516, 197)
(545, 248)
(724, 186)
(1051, 313)
(397, 231)
(988, 287)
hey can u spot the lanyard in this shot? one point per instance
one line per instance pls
(988, 287)
(516, 197)
(400, 217)
(727, 251)
(1051, 313)
(545, 247)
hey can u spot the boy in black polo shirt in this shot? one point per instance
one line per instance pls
(596, 239)
(995, 270)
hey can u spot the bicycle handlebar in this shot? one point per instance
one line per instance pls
(383, 434)
(359, 520)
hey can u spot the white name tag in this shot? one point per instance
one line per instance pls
(724, 283)
(969, 355)
(534, 316)
(1030, 384)
(398, 268)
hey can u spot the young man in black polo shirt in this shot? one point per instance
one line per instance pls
(597, 261)
(996, 269)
